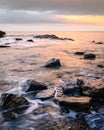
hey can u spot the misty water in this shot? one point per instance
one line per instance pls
(25, 60)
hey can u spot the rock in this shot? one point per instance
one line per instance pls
(95, 121)
(99, 42)
(76, 103)
(71, 89)
(13, 102)
(90, 56)
(2, 34)
(100, 66)
(53, 63)
(4, 46)
(51, 36)
(93, 41)
(18, 39)
(45, 94)
(30, 40)
(79, 53)
(31, 85)
(94, 88)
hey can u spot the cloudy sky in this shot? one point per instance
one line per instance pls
(52, 15)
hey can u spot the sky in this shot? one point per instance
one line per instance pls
(52, 15)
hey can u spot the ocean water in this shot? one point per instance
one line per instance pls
(25, 60)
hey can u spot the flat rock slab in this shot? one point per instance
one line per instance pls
(76, 103)
(45, 94)
(94, 88)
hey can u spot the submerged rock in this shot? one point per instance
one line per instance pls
(13, 102)
(95, 121)
(94, 88)
(30, 40)
(31, 85)
(4, 46)
(79, 53)
(18, 39)
(53, 63)
(99, 42)
(45, 94)
(71, 89)
(2, 34)
(76, 103)
(90, 56)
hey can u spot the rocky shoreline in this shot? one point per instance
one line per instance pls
(78, 104)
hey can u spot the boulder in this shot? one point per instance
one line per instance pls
(2, 34)
(71, 89)
(13, 102)
(31, 85)
(89, 56)
(75, 103)
(30, 40)
(95, 121)
(45, 94)
(53, 63)
(94, 88)
(79, 53)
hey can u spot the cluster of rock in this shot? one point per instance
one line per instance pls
(52, 36)
(79, 96)
(2, 34)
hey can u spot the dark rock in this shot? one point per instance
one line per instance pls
(99, 43)
(52, 36)
(30, 40)
(90, 56)
(94, 88)
(45, 94)
(95, 121)
(71, 89)
(53, 63)
(93, 41)
(13, 102)
(4, 46)
(75, 103)
(100, 66)
(18, 39)
(79, 53)
(2, 34)
(31, 85)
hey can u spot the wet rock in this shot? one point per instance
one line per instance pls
(90, 56)
(30, 40)
(94, 88)
(51, 36)
(100, 66)
(13, 102)
(31, 85)
(18, 39)
(45, 94)
(95, 121)
(4, 46)
(71, 89)
(2, 34)
(53, 63)
(99, 43)
(76, 103)
(79, 53)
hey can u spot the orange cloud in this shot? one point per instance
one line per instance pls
(82, 19)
